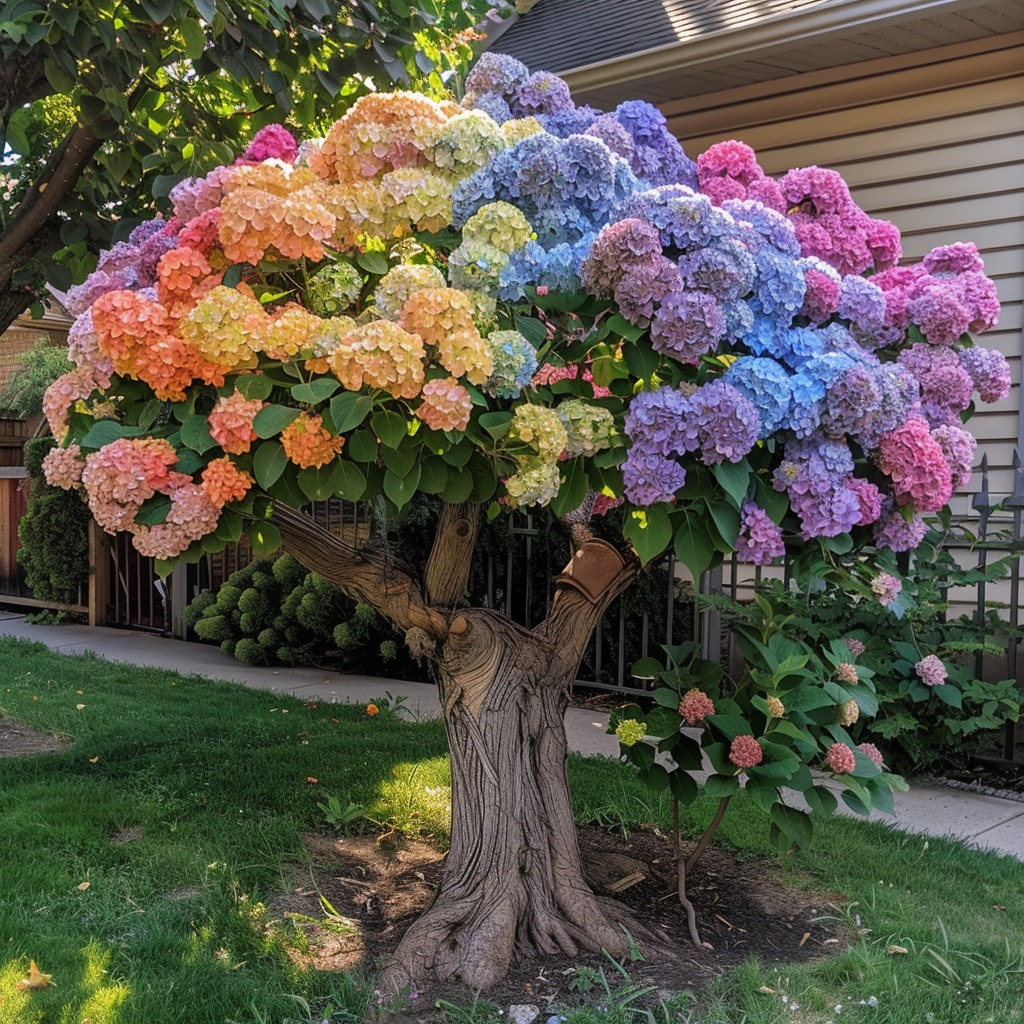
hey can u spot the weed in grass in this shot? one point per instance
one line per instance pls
(345, 818)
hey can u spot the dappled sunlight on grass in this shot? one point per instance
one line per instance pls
(85, 993)
(417, 798)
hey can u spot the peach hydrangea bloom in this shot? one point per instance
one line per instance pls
(223, 481)
(308, 443)
(846, 673)
(63, 393)
(63, 467)
(122, 475)
(381, 355)
(395, 287)
(192, 516)
(230, 422)
(292, 329)
(183, 276)
(226, 327)
(125, 323)
(446, 405)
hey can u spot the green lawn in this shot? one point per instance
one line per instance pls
(207, 782)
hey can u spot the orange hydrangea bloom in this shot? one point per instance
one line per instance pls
(231, 422)
(223, 481)
(308, 443)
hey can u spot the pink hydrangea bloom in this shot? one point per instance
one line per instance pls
(887, 587)
(841, 758)
(745, 752)
(870, 750)
(856, 647)
(919, 471)
(446, 405)
(759, 540)
(846, 673)
(63, 467)
(869, 496)
(989, 371)
(931, 670)
(695, 706)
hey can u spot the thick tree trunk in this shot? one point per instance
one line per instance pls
(512, 882)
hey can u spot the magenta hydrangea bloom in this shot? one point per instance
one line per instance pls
(931, 670)
(893, 531)
(272, 142)
(917, 466)
(870, 750)
(869, 497)
(760, 540)
(856, 647)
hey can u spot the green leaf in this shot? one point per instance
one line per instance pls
(195, 434)
(574, 487)
(61, 81)
(460, 454)
(154, 510)
(683, 787)
(496, 424)
(373, 263)
(795, 825)
(730, 726)
(727, 523)
(775, 503)
(532, 329)
(649, 530)
(434, 477)
(265, 538)
(719, 786)
(618, 326)
(107, 431)
(254, 386)
(693, 547)
(362, 446)
(401, 460)
(390, 428)
(821, 800)
(349, 410)
(949, 694)
(458, 487)
(272, 419)
(734, 478)
(318, 483)
(193, 36)
(641, 359)
(350, 481)
(400, 489)
(269, 463)
(229, 529)
(316, 391)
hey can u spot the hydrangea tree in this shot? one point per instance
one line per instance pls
(515, 301)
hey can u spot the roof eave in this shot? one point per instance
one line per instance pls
(817, 24)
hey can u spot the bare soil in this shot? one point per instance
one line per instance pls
(20, 741)
(377, 889)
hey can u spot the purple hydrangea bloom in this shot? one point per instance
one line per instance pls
(725, 269)
(759, 540)
(615, 248)
(989, 371)
(687, 325)
(862, 303)
(80, 297)
(654, 422)
(643, 286)
(490, 103)
(852, 403)
(773, 227)
(496, 73)
(611, 132)
(649, 479)
(571, 121)
(541, 93)
(870, 498)
(658, 158)
(724, 423)
(958, 446)
(896, 533)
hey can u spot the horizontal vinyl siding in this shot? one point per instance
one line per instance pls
(940, 155)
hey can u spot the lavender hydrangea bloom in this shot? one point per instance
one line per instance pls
(726, 269)
(767, 384)
(490, 103)
(724, 422)
(80, 297)
(571, 121)
(541, 93)
(958, 446)
(658, 158)
(649, 479)
(989, 371)
(684, 218)
(644, 286)
(821, 500)
(760, 540)
(687, 325)
(896, 533)
(780, 283)
(852, 404)
(496, 73)
(654, 421)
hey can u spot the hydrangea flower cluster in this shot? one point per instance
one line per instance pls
(767, 316)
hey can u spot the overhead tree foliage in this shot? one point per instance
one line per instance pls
(104, 105)
(515, 302)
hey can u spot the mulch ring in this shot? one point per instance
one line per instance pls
(372, 892)
(20, 741)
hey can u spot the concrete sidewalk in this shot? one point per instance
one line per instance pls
(983, 821)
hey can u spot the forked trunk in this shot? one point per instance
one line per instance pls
(512, 881)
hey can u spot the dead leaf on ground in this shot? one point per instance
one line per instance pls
(897, 950)
(35, 980)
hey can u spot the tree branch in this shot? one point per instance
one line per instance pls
(364, 575)
(44, 198)
(22, 80)
(595, 576)
(451, 558)
(15, 299)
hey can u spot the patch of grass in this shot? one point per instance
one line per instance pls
(180, 800)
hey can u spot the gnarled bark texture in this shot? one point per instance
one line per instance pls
(512, 882)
